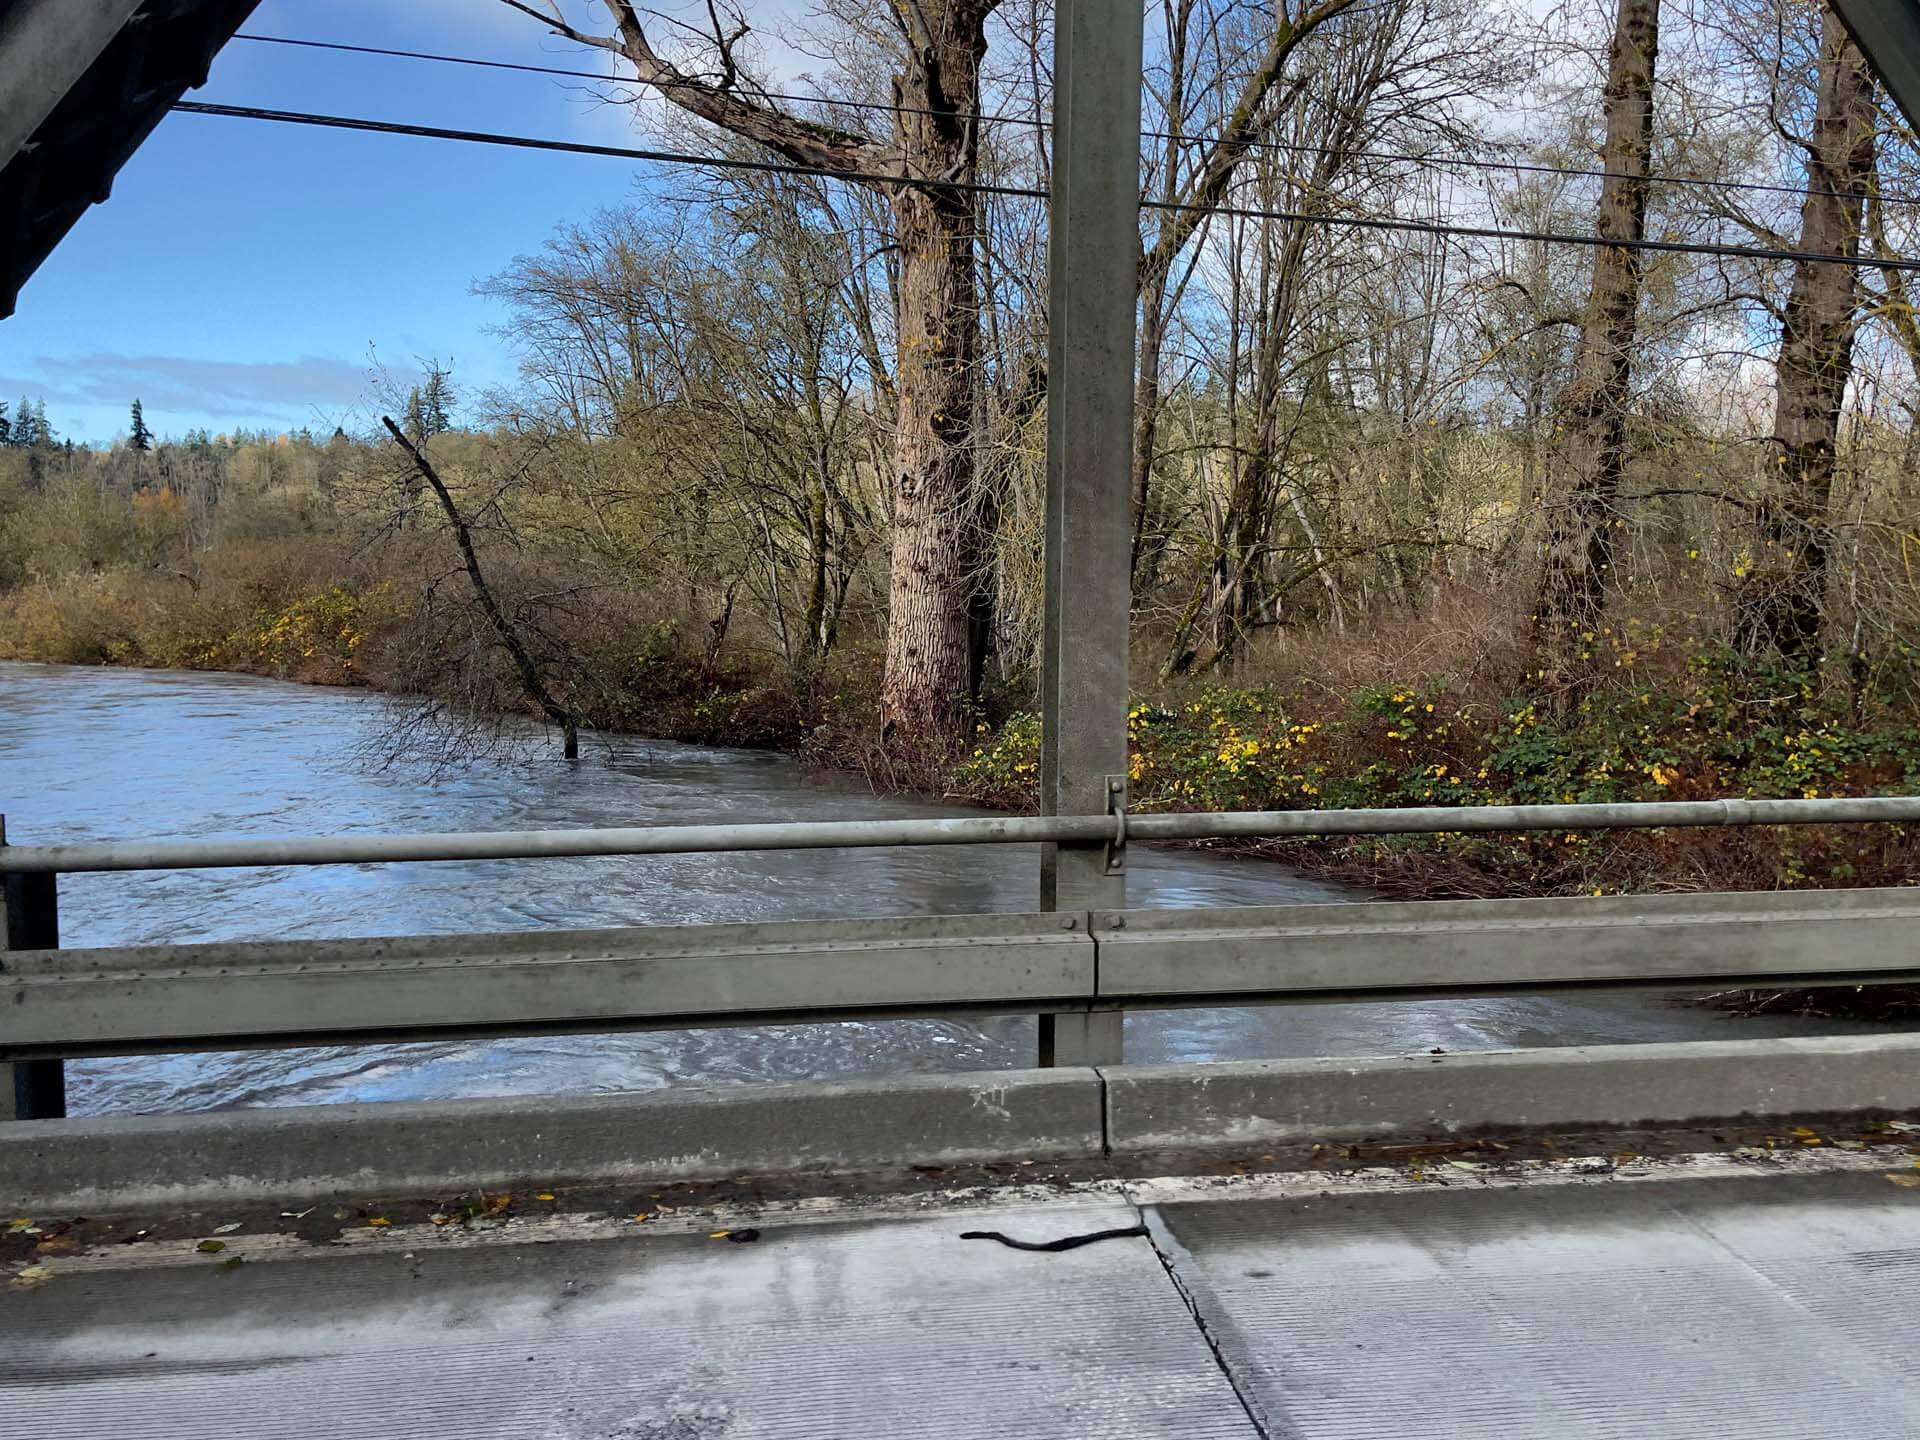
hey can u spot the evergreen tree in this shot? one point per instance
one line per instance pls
(42, 432)
(142, 439)
(6, 426)
(23, 435)
(436, 401)
(416, 417)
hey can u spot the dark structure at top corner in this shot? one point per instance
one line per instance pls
(82, 84)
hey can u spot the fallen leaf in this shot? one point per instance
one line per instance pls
(544, 1195)
(228, 1228)
(1801, 1132)
(1909, 1182)
(211, 1247)
(32, 1278)
(1849, 1144)
(439, 1219)
(58, 1245)
(641, 1218)
(719, 1235)
(20, 1225)
(1904, 1127)
(1465, 1165)
(379, 1222)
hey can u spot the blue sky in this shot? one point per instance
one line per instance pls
(242, 271)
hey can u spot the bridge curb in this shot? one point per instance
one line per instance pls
(888, 1123)
(124, 1162)
(1253, 1103)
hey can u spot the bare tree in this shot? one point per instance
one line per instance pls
(1195, 174)
(1590, 449)
(921, 168)
(1784, 601)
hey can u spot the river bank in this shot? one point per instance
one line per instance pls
(1433, 709)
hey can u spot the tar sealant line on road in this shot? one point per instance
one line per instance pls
(1182, 1275)
(964, 1205)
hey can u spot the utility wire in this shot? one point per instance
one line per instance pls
(605, 79)
(1442, 162)
(1462, 162)
(1449, 229)
(1021, 192)
(574, 147)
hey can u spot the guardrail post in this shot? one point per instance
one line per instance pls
(1091, 288)
(30, 1089)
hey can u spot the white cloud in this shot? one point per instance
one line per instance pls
(178, 382)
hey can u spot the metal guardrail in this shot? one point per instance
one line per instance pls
(141, 999)
(1088, 963)
(983, 830)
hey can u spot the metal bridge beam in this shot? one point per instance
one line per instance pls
(1090, 356)
(45, 47)
(1888, 34)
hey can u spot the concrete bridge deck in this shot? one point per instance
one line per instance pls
(1455, 1292)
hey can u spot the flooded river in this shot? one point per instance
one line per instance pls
(90, 754)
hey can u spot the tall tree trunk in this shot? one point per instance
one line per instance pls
(1146, 406)
(1590, 444)
(932, 152)
(931, 595)
(1783, 604)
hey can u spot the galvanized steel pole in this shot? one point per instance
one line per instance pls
(1090, 831)
(1092, 249)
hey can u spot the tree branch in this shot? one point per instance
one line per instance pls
(1242, 127)
(803, 141)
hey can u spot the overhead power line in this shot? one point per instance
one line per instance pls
(1021, 192)
(1440, 162)
(605, 79)
(575, 147)
(1451, 230)
(1531, 167)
